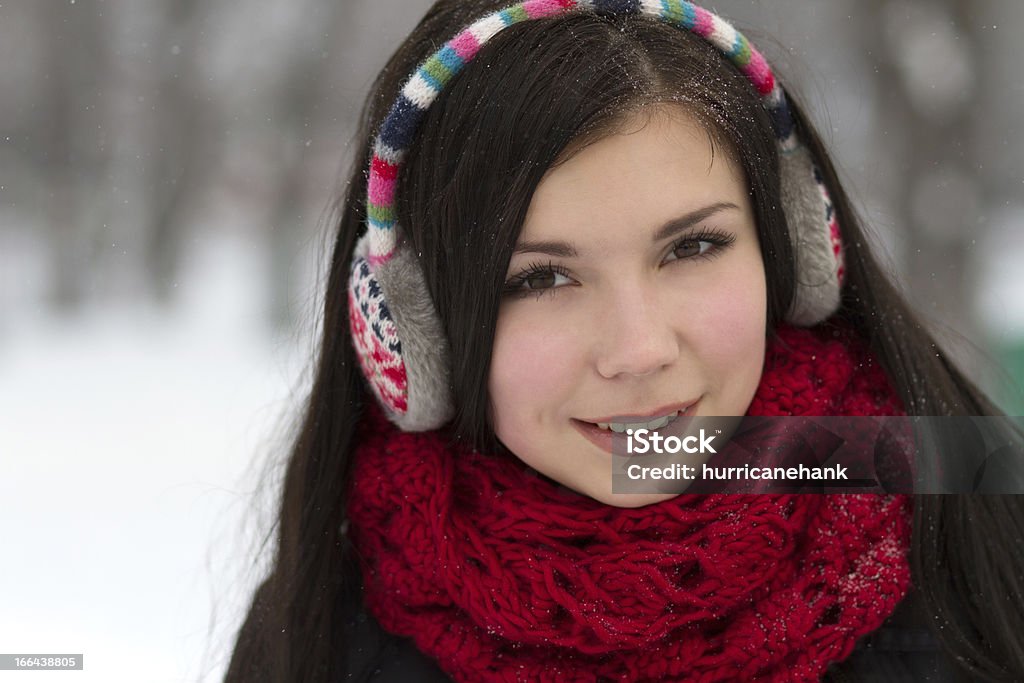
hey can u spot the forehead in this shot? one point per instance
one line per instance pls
(656, 164)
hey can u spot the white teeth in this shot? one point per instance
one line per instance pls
(656, 423)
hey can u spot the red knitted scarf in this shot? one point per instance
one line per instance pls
(500, 574)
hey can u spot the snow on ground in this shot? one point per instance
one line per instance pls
(130, 442)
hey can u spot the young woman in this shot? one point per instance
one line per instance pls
(570, 216)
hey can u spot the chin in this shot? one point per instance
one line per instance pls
(631, 500)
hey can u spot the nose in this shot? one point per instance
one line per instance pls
(638, 337)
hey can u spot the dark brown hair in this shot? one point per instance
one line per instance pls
(463, 194)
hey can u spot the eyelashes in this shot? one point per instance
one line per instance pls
(717, 242)
(540, 278)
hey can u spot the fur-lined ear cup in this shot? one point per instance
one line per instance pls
(398, 338)
(814, 232)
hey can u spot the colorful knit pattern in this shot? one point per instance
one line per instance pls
(833, 226)
(500, 575)
(420, 91)
(376, 338)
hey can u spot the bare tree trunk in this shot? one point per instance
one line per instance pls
(931, 143)
(73, 162)
(181, 147)
(296, 99)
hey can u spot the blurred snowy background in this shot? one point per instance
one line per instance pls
(164, 170)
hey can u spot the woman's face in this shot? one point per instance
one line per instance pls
(636, 289)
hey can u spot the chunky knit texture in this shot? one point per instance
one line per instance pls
(500, 574)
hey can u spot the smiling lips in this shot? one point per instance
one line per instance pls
(656, 423)
(601, 431)
(661, 415)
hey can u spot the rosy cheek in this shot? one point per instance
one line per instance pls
(736, 313)
(731, 331)
(531, 368)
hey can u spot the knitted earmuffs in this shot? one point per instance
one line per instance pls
(396, 330)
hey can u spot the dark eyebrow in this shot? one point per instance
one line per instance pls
(561, 249)
(672, 227)
(677, 225)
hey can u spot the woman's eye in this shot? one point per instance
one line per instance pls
(691, 247)
(705, 245)
(538, 279)
(544, 280)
